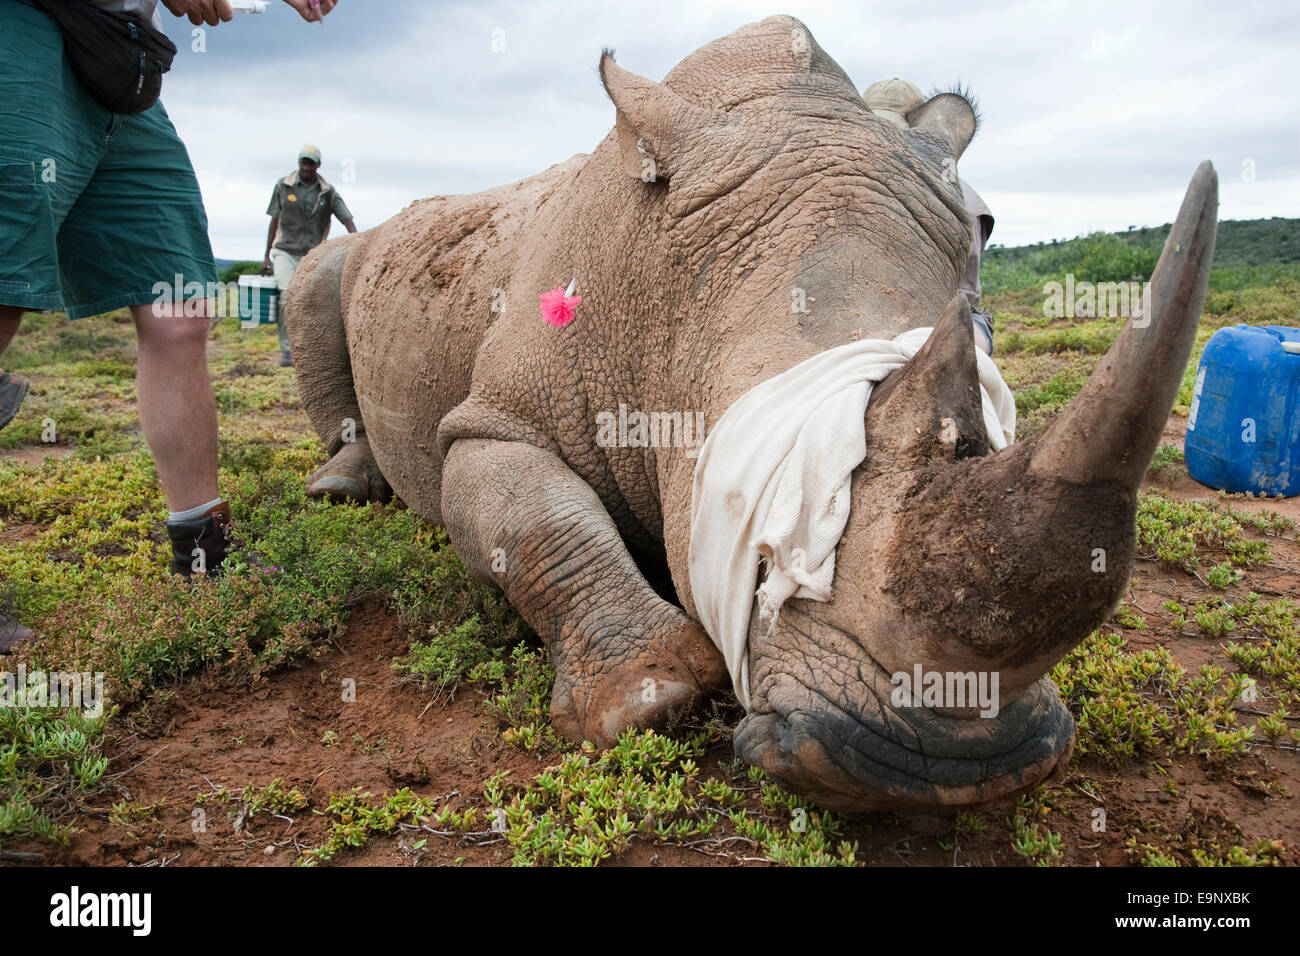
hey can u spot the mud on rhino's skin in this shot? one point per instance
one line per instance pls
(768, 173)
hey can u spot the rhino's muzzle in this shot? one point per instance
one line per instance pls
(878, 756)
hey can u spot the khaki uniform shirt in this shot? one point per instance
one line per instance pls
(304, 212)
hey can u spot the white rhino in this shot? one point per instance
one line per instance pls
(754, 169)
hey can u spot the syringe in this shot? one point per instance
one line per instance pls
(248, 6)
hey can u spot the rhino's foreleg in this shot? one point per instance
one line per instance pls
(623, 656)
(314, 317)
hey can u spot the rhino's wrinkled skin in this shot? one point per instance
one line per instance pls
(768, 174)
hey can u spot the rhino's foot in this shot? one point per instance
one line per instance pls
(351, 474)
(645, 686)
(623, 656)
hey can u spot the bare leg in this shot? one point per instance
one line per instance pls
(10, 317)
(178, 413)
(13, 388)
(12, 633)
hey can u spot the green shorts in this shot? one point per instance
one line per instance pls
(97, 209)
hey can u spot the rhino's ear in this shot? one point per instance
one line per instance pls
(652, 123)
(950, 116)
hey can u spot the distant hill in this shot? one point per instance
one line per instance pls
(1250, 242)
(229, 270)
(224, 264)
(1121, 256)
(1240, 242)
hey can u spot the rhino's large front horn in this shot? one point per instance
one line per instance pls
(1112, 428)
(1005, 561)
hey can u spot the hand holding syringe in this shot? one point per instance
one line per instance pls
(313, 9)
(259, 6)
(213, 12)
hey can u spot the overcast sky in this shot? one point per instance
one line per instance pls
(1094, 114)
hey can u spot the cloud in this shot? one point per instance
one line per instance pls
(1093, 118)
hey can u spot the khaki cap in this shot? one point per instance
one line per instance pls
(891, 99)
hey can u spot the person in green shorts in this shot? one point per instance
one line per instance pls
(300, 210)
(98, 210)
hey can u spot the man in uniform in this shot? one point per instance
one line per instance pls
(300, 210)
(891, 100)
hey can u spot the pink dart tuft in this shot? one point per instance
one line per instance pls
(557, 308)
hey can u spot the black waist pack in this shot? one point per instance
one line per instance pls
(119, 58)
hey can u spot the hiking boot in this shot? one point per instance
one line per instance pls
(12, 392)
(286, 360)
(200, 546)
(12, 634)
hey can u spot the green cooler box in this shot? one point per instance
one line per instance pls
(259, 301)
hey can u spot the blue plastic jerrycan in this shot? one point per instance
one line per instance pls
(1243, 430)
